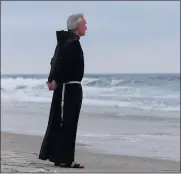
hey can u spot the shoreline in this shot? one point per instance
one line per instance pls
(20, 154)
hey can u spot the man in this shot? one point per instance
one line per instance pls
(67, 71)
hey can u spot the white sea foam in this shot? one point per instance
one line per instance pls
(98, 92)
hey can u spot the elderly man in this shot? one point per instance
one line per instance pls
(67, 71)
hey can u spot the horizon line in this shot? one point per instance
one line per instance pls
(96, 73)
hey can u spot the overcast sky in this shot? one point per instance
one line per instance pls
(122, 37)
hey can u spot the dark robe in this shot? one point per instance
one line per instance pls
(67, 65)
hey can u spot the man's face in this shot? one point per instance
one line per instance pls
(82, 27)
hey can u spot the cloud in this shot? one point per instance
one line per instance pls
(143, 57)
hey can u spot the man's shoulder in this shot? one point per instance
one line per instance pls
(73, 44)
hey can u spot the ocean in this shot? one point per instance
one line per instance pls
(141, 91)
(126, 114)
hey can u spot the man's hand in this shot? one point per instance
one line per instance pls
(52, 85)
(49, 85)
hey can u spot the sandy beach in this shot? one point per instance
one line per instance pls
(20, 154)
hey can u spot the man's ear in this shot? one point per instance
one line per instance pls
(77, 28)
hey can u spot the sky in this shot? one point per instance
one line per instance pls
(122, 37)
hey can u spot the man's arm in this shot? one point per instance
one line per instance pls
(63, 64)
(67, 64)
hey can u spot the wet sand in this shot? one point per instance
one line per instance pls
(19, 153)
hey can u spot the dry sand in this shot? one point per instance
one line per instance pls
(19, 153)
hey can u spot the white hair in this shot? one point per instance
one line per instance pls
(73, 20)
